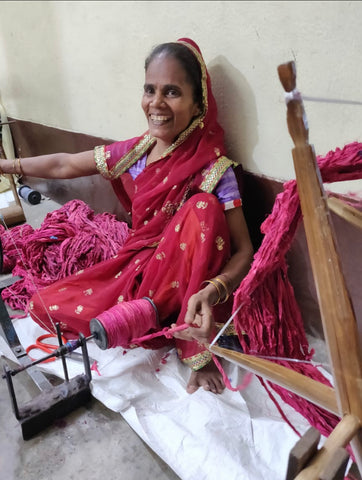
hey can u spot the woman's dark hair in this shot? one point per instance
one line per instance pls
(188, 61)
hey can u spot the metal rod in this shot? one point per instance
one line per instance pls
(35, 362)
(64, 362)
(7, 123)
(11, 391)
(85, 357)
(308, 98)
(62, 350)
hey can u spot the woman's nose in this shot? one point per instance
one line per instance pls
(157, 99)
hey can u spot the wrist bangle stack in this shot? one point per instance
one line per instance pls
(226, 290)
(17, 163)
(213, 282)
(222, 289)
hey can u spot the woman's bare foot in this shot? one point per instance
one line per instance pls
(207, 377)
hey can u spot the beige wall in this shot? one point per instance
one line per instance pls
(79, 66)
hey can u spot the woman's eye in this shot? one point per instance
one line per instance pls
(148, 90)
(173, 93)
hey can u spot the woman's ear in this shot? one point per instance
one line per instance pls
(197, 110)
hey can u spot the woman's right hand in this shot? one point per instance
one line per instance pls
(199, 316)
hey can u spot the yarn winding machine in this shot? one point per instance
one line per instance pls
(53, 401)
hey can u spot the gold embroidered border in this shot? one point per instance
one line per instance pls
(124, 163)
(230, 329)
(131, 157)
(198, 361)
(216, 172)
(100, 160)
(203, 74)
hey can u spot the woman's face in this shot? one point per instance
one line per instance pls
(168, 100)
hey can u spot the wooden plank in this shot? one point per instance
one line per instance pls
(345, 211)
(302, 452)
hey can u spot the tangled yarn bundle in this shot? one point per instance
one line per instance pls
(70, 239)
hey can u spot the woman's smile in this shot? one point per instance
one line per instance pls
(159, 120)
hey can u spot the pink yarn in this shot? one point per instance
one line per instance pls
(270, 314)
(127, 320)
(245, 383)
(70, 239)
(167, 332)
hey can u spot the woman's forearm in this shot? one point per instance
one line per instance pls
(229, 278)
(219, 288)
(56, 165)
(242, 249)
(237, 267)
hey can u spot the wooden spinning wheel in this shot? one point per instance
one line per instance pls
(338, 318)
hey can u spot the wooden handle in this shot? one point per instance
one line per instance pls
(288, 76)
(296, 118)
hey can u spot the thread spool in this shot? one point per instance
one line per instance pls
(99, 332)
(31, 196)
(123, 322)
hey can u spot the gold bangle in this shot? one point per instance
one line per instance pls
(227, 293)
(212, 282)
(20, 168)
(228, 282)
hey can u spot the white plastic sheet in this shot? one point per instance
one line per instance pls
(200, 436)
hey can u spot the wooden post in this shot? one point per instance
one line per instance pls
(14, 213)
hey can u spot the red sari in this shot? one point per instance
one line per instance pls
(179, 236)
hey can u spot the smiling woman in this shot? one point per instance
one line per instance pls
(189, 245)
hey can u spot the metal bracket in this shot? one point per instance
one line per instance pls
(10, 335)
(54, 401)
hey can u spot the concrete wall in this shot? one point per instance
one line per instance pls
(78, 66)
(72, 74)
